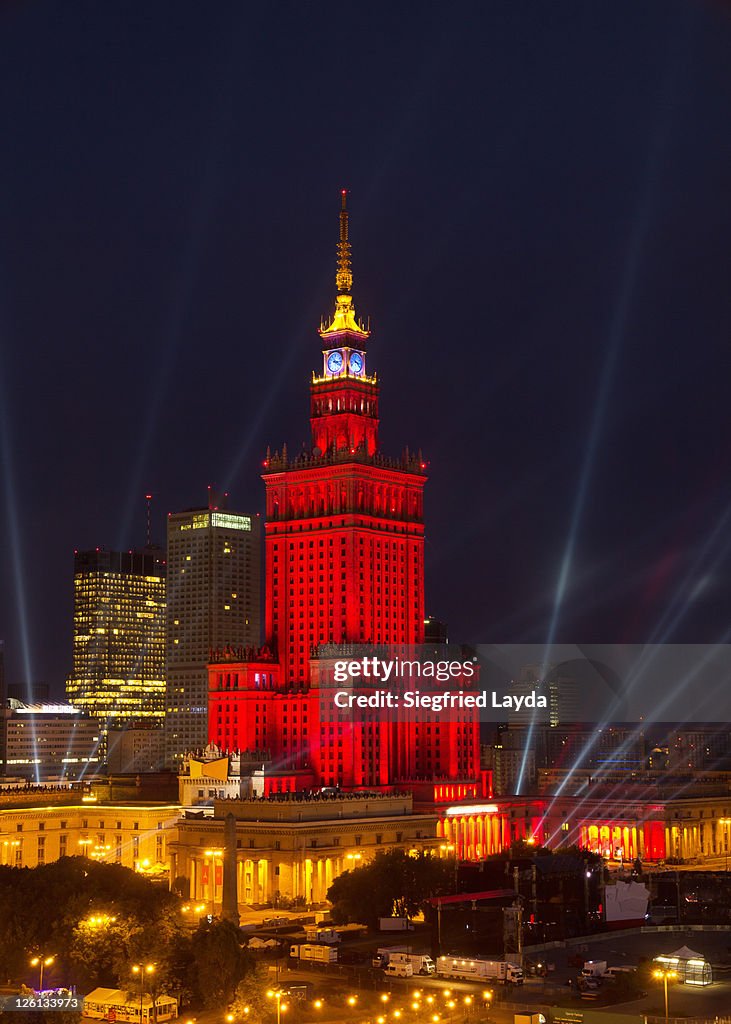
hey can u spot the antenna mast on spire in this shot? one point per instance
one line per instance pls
(344, 275)
(148, 501)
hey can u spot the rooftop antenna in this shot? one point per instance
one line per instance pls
(148, 502)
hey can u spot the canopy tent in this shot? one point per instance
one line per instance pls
(692, 968)
(116, 1005)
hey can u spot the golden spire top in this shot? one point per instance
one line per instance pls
(344, 318)
(344, 274)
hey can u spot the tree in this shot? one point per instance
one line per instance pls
(250, 1002)
(97, 919)
(392, 884)
(219, 962)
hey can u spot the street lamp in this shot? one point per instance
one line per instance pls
(142, 970)
(278, 995)
(41, 961)
(665, 975)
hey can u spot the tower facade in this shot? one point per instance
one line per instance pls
(118, 670)
(214, 602)
(344, 546)
(344, 523)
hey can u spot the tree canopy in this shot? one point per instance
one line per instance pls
(392, 884)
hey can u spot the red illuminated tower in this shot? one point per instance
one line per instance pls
(344, 523)
(344, 566)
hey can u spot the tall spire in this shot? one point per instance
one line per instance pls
(344, 318)
(344, 275)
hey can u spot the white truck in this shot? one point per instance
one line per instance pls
(395, 924)
(326, 936)
(314, 954)
(594, 969)
(478, 969)
(398, 970)
(420, 962)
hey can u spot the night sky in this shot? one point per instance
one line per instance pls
(541, 226)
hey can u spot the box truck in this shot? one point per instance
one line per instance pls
(314, 954)
(479, 969)
(328, 936)
(529, 1018)
(420, 962)
(394, 924)
(594, 969)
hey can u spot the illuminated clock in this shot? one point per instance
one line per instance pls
(335, 362)
(356, 363)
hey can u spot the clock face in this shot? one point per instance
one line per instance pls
(335, 362)
(356, 362)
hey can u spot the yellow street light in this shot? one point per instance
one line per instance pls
(142, 970)
(352, 1000)
(41, 961)
(666, 975)
(385, 997)
(317, 1004)
(278, 995)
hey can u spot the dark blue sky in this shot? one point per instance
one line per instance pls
(541, 222)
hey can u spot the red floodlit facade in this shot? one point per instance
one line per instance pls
(344, 550)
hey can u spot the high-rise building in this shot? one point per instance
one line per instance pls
(214, 602)
(344, 568)
(344, 523)
(43, 741)
(118, 671)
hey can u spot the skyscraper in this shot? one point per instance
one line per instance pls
(119, 636)
(344, 523)
(214, 602)
(344, 567)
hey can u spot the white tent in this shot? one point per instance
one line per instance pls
(690, 967)
(116, 1005)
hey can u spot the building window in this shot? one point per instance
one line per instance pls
(62, 845)
(41, 849)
